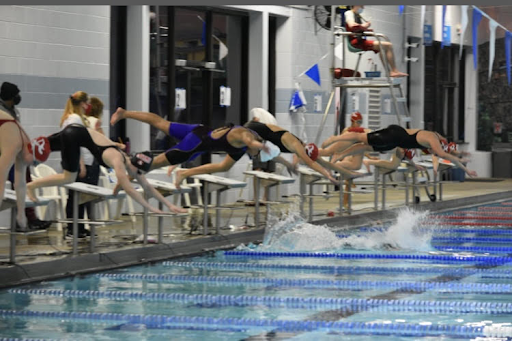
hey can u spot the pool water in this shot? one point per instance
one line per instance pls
(427, 276)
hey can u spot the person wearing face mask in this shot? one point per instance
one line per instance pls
(354, 22)
(9, 99)
(77, 108)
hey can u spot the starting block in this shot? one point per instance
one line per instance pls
(84, 193)
(9, 202)
(218, 184)
(267, 180)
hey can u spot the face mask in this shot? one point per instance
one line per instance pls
(360, 10)
(17, 99)
(88, 107)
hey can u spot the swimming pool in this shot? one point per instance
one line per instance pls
(427, 275)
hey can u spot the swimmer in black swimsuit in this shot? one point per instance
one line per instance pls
(196, 139)
(396, 136)
(289, 143)
(16, 148)
(108, 154)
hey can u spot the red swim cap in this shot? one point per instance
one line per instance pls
(312, 151)
(409, 153)
(452, 146)
(356, 129)
(356, 116)
(40, 148)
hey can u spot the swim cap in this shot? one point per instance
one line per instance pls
(356, 116)
(272, 153)
(452, 146)
(142, 161)
(444, 145)
(356, 129)
(409, 153)
(40, 148)
(312, 151)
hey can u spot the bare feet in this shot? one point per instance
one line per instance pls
(398, 74)
(156, 210)
(180, 176)
(31, 193)
(367, 165)
(117, 116)
(170, 169)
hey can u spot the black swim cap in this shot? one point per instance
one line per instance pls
(142, 161)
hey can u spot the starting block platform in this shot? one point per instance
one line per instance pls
(218, 184)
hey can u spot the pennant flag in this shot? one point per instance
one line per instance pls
(401, 9)
(508, 39)
(492, 42)
(463, 25)
(203, 35)
(443, 26)
(223, 50)
(477, 17)
(298, 100)
(314, 73)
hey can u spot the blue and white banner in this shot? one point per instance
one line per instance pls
(508, 39)
(477, 17)
(492, 44)
(427, 35)
(443, 25)
(298, 100)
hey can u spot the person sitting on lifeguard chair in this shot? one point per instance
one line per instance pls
(354, 23)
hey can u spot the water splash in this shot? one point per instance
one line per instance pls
(406, 233)
(294, 234)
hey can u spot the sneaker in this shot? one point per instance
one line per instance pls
(37, 224)
(81, 234)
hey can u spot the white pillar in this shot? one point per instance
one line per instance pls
(258, 60)
(471, 102)
(137, 74)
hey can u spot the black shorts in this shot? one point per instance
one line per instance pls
(269, 166)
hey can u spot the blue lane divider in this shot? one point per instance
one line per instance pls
(483, 288)
(476, 231)
(490, 249)
(472, 240)
(334, 269)
(433, 307)
(442, 258)
(376, 328)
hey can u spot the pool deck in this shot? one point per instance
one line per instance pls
(47, 256)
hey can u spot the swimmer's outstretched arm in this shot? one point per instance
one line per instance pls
(438, 150)
(350, 137)
(291, 167)
(359, 148)
(141, 179)
(124, 181)
(208, 168)
(339, 169)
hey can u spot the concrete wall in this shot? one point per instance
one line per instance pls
(51, 52)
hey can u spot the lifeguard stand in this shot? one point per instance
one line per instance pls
(394, 85)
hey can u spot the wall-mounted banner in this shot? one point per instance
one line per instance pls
(314, 73)
(298, 100)
(318, 103)
(225, 96)
(427, 35)
(508, 39)
(443, 25)
(447, 36)
(477, 17)
(492, 44)
(181, 98)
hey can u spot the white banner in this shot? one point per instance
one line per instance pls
(492, 42)
(463, 25)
